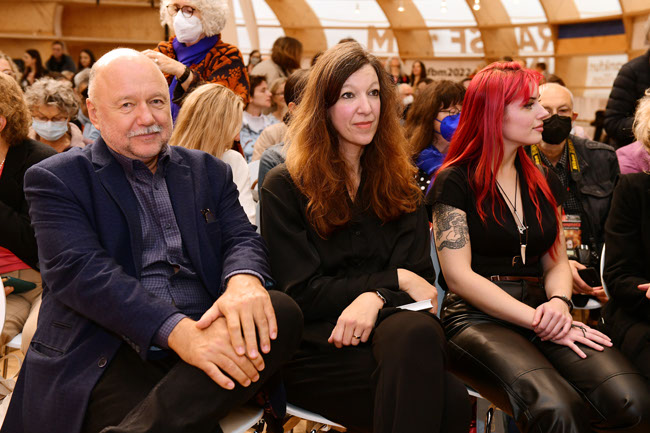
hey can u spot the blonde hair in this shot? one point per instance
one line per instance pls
(214, 14)
(58, 93)
(12, 65)
(642, 121)
(275, 85)
(14, 109)
(209, 120)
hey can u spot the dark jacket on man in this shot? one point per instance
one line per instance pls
(629, 86)
(593, 186)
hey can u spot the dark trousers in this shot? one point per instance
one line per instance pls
(394, 383)
(170, 395)
(547, 387)
(636, 346)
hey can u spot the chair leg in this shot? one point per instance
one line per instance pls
(489, 417)
(5, 364)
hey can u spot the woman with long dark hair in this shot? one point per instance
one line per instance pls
(34, 68)
(86, 60)
(418, 73)
(349, 240)
(507, 311)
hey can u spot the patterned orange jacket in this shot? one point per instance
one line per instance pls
(222, 65)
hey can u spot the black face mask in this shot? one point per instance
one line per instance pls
(556, 129)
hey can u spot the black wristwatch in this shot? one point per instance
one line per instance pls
(185, 75)
(566, 300)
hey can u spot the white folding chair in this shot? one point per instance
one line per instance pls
(315, 422)
(242, 419)
(15, 343)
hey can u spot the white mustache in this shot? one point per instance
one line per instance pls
(145, 131)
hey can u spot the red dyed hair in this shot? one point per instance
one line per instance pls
(478, 141)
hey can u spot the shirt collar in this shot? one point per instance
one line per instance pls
(130, 165)
(561, 163)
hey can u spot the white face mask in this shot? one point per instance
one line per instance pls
(188, 30)
(50, 131)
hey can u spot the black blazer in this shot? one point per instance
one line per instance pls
(627, 258)
(16, 233)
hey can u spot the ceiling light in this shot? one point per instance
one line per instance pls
(400, 8)
(477, 5)
(443, 7)
(357, 10)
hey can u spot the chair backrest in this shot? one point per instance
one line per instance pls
(436, 268)
(602, 271)
(254, 170)
(3, 305)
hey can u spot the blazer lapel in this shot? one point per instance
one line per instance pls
(114, 181)
(182, 195)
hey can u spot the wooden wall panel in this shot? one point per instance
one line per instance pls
(413, 40)
(111, 22)
(614, 44)
(299, 21)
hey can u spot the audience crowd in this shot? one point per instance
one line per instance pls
(131, 185)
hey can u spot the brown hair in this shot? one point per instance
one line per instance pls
(286, 53)
(314, 159)
(209, 120)
(14, 109)
(424, 110)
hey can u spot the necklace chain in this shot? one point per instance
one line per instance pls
(520, 224)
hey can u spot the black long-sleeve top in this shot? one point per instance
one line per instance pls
(16, 232)
(325, 275)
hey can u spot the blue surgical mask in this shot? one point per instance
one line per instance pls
(448, 126)
(50, 131)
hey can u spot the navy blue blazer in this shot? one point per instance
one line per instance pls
(85, 216)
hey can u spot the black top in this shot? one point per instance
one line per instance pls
(495, 244)
(16, 232)
(65, 63)
(627, 256)
(325, 275)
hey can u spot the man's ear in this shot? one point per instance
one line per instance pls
(574, 116)
(92, 113)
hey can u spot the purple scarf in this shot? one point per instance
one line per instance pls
(189, 56)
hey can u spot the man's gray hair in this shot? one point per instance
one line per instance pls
(82, 77)
(214, 14)
(541, 87)
(58, 93)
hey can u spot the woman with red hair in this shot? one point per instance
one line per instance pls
(349, 240)
(507, 310)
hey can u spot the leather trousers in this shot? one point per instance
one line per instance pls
(545, 387)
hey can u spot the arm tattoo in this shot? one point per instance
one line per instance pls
(450, 225)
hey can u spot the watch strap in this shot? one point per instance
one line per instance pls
(566, 300)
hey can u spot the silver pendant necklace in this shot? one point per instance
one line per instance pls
(521, 227)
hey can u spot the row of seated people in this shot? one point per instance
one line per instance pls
(156, 314)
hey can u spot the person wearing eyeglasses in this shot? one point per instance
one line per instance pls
(430, 125)
(54, 105)
(196, 54)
